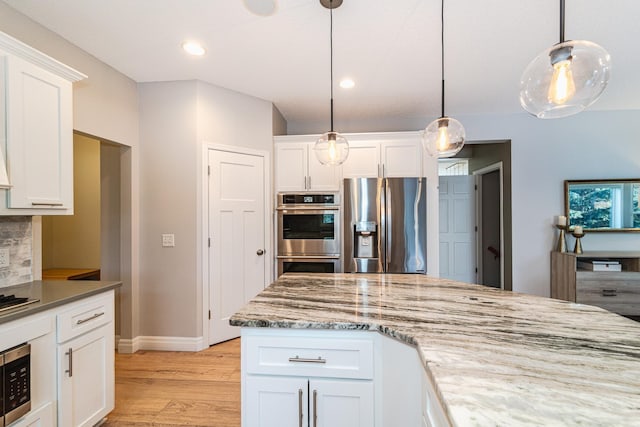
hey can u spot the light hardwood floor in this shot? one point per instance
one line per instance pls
(158, 388)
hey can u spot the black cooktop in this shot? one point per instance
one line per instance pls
(11, 301)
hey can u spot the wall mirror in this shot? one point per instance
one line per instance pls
(603, 205)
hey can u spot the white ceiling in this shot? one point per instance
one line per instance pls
(391, 48)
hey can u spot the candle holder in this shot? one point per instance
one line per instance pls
(578, 247)
(562, 241)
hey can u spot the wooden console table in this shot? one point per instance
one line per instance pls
(616, 291)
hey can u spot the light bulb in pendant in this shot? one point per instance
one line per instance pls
(331, 149)
(443, 137)
(562, 87)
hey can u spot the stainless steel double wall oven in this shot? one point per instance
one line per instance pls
(308, 233)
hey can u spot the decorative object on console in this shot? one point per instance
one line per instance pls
(445, 136)
(332, 148)
(578, 233)
(566, 78)
(561, 224)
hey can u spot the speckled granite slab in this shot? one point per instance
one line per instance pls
(498, 358)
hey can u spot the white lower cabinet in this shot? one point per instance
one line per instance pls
(296, 402)
(312, 381)
(40, 417)
(86, 362)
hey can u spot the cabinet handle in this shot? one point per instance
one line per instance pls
(46, 204)
(315, 408)
(609, 292)
(309, 183)
(383, 176)
(305, 360)
(70, 370)
(300, 414)
(95, 316)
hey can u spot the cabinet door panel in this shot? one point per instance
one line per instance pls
(291, 167)
(363, 161)
(336, 403)
(275, 402)
(87, 392)
(323, 177)
(402, 159)
(39, 138)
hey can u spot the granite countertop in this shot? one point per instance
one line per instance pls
(496, 357)
(52, 293)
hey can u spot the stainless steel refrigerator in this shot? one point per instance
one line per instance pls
(385, 225)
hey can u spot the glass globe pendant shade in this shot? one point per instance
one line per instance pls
(565, 79)
(331, 149)
(444, 137)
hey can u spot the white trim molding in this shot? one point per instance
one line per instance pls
(128, 346)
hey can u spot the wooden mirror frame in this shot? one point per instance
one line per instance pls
(605, 182)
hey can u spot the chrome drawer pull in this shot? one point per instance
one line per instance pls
(95, 316)
(305, 360)
(609, 292)
(46, 204)
(70, 370)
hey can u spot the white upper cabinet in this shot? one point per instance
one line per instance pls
(36, 131)
(385, 155)
(298, 169)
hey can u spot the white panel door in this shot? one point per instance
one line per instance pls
(336, 403)
(237, 221)
(457, 228)
(270, 401)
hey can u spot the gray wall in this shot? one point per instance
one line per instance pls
(177, 120)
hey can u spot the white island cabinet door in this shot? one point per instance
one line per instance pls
(340, 403)
(86, 378)
(272, 401)
(39, 138)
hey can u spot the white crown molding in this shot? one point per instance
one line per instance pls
(26, 52)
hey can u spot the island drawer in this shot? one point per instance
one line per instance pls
(85, 316)
(301, 356)
(611, 291)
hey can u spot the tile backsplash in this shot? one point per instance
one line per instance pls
(16, 235)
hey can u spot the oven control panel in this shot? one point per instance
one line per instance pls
(307, 199)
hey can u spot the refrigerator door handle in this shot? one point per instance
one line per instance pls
(387, 229)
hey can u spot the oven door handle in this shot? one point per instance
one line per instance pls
(303, 257)
(319, 209)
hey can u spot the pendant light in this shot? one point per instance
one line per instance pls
(445, 136)
(332, 148)
(566, 78)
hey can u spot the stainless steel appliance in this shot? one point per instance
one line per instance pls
(385, 225)
(309, 233)
(15, 390)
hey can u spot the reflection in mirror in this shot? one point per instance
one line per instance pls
(603, 205)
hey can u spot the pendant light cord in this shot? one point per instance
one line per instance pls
(331, 57)
(561, 21)
(442, 51)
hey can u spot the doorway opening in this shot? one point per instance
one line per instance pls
(484, 254)
(87, 245)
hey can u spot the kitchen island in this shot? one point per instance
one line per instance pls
(488, 357)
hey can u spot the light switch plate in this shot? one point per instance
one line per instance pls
(4, 257)
(168, 241)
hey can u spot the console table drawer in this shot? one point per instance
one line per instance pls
(350, 358)
(619, 293)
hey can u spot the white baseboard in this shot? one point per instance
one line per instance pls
(161, 344)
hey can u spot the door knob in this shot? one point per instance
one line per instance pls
(260, 252)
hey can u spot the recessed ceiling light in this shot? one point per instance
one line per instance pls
(193, 48)
(347, 83)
